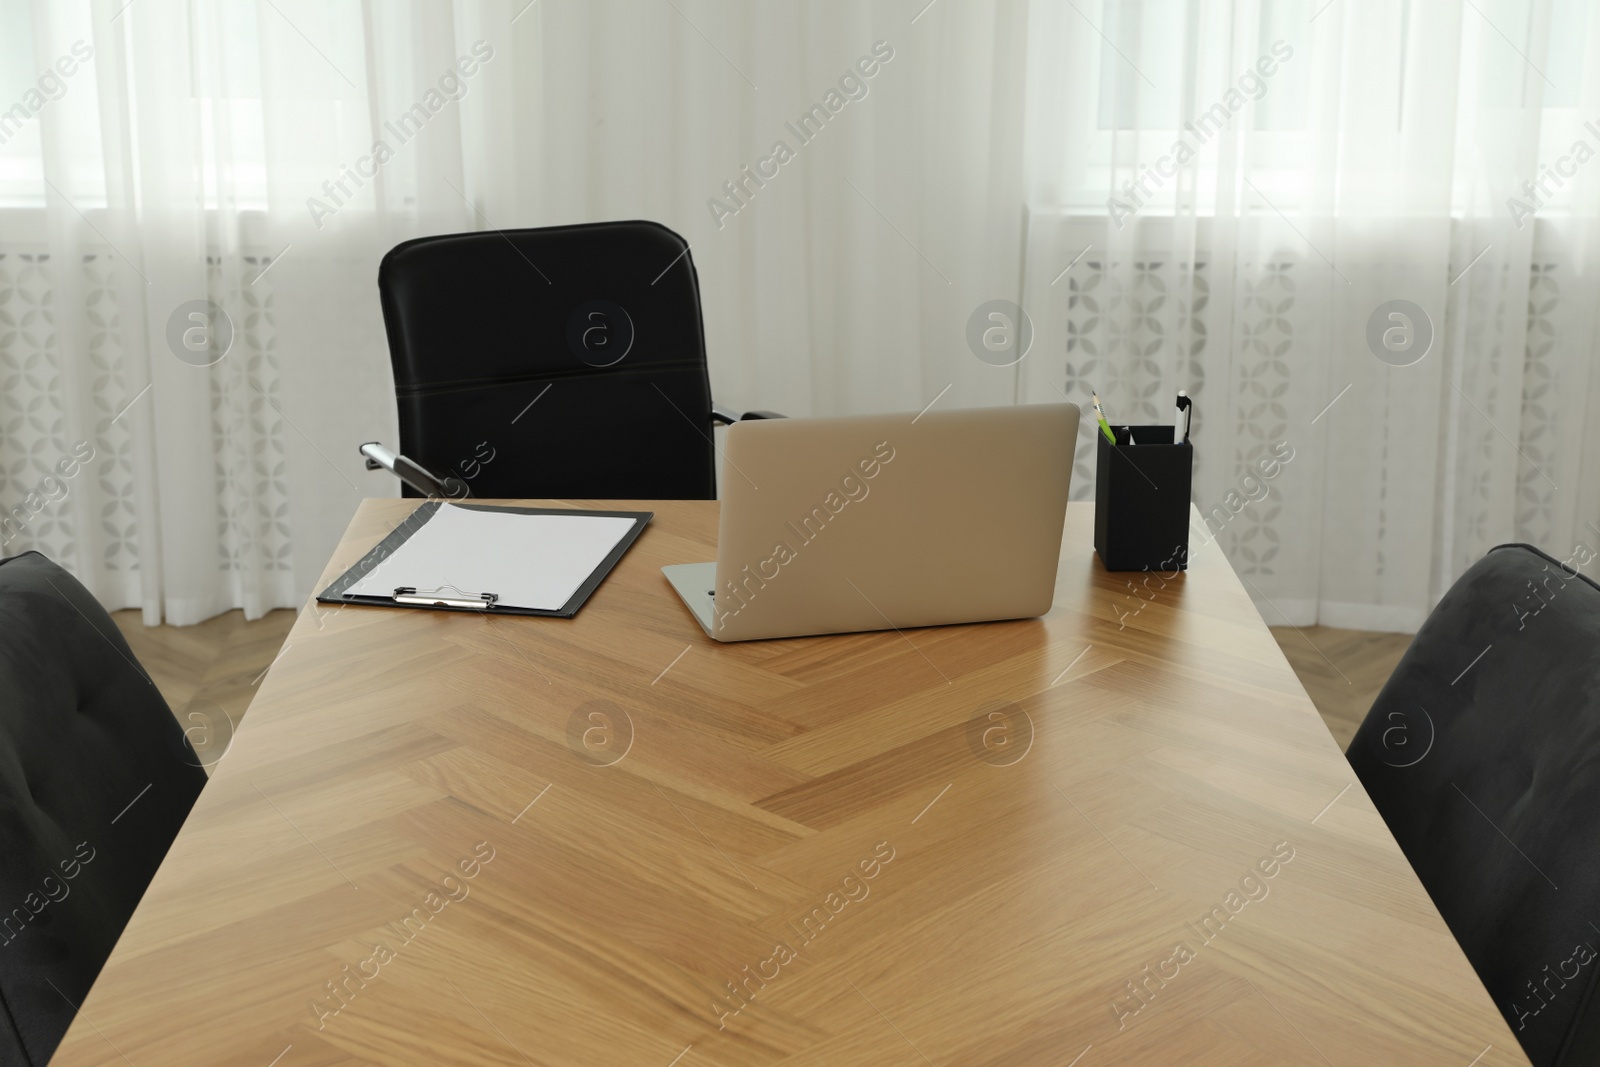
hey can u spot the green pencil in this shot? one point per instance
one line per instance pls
(1100, 416)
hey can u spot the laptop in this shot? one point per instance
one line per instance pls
(876, 522)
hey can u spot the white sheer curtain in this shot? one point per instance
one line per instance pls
(1342, 155)
(224, 152)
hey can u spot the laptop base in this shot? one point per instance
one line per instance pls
(696, 584)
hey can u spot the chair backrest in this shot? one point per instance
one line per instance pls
(96, 777)
(560, 362)
(1482, 753)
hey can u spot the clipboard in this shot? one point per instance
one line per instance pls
(443, 596)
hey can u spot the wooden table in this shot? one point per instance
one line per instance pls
(441, 838)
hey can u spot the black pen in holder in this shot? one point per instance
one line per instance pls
(1141, 500)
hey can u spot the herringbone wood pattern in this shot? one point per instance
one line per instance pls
(1025, 899)
(220, 662)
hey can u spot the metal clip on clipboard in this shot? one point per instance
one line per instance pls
(447, 596)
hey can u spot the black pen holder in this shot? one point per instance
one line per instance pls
(1141, 500)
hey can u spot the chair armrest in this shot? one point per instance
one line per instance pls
(728, 416)
(412, 473)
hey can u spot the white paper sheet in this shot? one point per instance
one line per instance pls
(531, 561)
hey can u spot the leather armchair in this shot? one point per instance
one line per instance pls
(1482, 753)
(96, 777)
(602, 317)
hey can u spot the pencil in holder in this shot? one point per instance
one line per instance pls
(1141, 500)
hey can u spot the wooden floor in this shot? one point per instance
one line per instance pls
(209, 672)
(1343, 670)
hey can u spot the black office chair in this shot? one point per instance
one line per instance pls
(568, 361)
(96, 777)
(1483, 755)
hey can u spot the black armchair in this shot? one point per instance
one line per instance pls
(96, 777)
(1482, 753)
(567, 361)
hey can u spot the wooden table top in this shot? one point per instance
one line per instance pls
(1119, 833)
